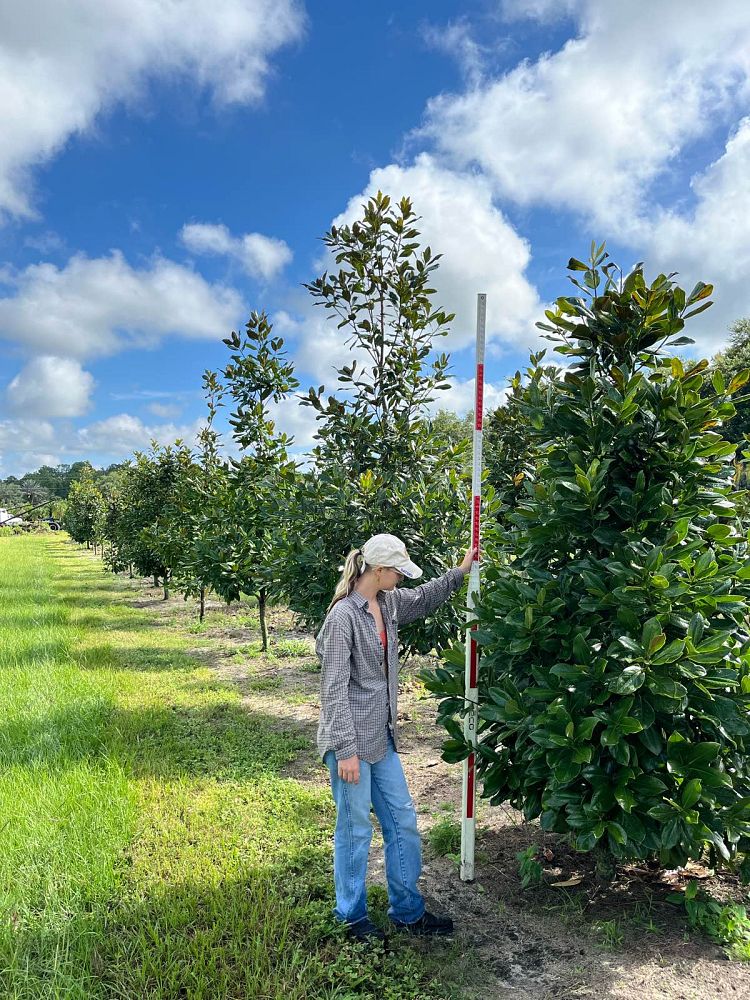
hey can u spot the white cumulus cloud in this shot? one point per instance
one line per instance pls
(260, 256)
(26, 444)
(95, 306)
(461, 396)
(118, 436)
(316, 346)
(167, 411)
(482, 252)
(63, 64)
(51, 387)
(710, 242)
(593, 125)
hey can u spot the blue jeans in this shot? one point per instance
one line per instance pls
(383, 784)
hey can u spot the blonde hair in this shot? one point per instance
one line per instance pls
(353, 567)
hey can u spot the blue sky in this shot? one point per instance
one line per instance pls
(168, 167)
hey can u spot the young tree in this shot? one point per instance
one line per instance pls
(201, 501)
(140, 522)
(239, 551)
(115, 540)
(730, 362)
(509, 451)
(84, 513)
(458, 432)
(380, 465)
(615, 672)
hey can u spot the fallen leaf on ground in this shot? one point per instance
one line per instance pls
(432, 763)
(576, 880)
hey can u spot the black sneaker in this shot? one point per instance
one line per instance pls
(365, 930)
(428, 923)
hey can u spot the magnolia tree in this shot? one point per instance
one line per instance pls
(139, 523)
(85, 512)
(509, 450)
(615, 670)
(241, 538)
(380, 465)
(199, 502)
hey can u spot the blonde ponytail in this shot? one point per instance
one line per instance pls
(355, 563)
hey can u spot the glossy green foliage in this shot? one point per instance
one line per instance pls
(141, 526)
(238, 518)
(85, 510)
(379, 465)
(615, 657)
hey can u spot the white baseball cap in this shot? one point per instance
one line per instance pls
(387, 550)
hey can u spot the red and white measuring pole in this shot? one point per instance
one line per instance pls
(468, 817)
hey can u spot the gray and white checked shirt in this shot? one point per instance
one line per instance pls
(358, 690)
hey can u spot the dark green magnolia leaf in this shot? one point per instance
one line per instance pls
(628, 681)
(617, 833)
(630, 725)
(585, 728)
(666, 687)
(671, 833)
(691, 793)
(648, 785)
(670, 653)
(627, 643)
(585, 842)
(651, 739)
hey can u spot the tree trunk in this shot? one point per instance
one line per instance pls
(262, 617)
(156, 580)
(166, 586)
(203, 604)
(130, 571)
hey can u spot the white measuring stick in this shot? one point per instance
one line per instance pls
(469, 800)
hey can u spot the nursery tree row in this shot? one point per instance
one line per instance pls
(614, 682)
(241, 516)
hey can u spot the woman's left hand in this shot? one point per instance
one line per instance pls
(471, 554)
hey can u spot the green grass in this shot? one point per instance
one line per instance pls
(608, 934)
(292, 647)
(265, 684)
(148, 846)
(445, 837)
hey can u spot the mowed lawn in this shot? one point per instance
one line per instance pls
(148, 845)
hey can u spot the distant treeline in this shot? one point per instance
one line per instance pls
(48, 483)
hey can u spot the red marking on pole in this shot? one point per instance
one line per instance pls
(473, 661)
(475, 522)
(470, 789)
(479, 401)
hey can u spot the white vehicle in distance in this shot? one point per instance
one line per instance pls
(7, 519)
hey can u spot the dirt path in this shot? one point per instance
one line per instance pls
(617, 939)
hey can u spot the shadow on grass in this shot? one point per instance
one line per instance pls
(145, 658)
(222, 741)
(264, 932)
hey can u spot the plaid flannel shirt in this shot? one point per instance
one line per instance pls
(358, 688)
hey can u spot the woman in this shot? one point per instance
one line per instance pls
(358, 651)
